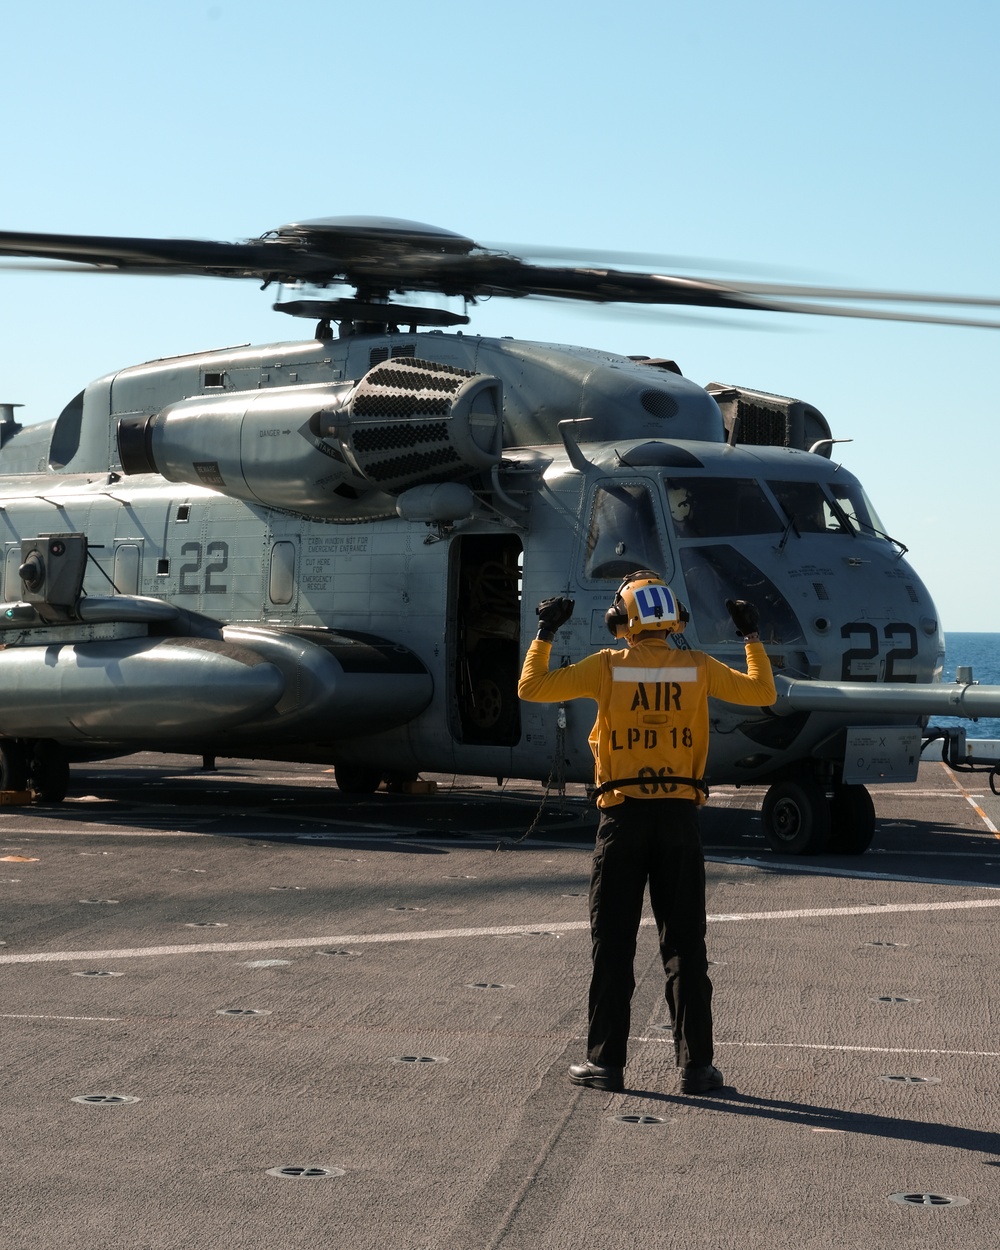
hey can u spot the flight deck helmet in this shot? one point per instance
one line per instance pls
(645, 601)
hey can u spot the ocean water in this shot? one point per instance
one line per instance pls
(982, 653)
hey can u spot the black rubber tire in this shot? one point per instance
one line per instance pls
(489, 711)
(13, 765)
(493, 710)
(48, 770)
(852, 820)
(357, 779)
(796, 817)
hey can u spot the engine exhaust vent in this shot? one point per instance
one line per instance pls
(415, 421)
(757, 418)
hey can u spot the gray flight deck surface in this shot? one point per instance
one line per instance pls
(857, 1013)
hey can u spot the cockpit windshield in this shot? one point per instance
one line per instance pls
(623, 534)
(808, 509)
(719, 507)
(715, 572)
(857, 507)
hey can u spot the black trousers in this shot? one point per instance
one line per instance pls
(654, 840)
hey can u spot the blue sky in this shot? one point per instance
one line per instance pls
(854, 144)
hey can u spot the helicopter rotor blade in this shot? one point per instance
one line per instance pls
(266, 261)
(851, 293)
(601, 258)
(886, 314)
(59, 266)
(383, 256)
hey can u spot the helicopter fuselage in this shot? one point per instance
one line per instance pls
(375, 517)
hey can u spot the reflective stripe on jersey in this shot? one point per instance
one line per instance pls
(666, 673)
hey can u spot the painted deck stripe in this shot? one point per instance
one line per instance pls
(873, 1050)
(10, 1015)
(971, 800)
(862, 909)
(982, 815)
(423, 935)
(855, 874)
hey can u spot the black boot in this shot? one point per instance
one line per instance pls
(700, 1080)
(597, 1076)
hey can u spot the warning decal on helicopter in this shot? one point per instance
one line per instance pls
(208, 471)
(875, 753)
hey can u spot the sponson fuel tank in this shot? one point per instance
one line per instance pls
(133, 689)
(336, 685)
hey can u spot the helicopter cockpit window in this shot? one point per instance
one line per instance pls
(808, 510)
(716, 572)
(623, 534)
(856, 506)
(719, 507)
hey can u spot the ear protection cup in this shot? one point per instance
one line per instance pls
(616, 618)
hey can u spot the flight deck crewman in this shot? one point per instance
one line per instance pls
(650, 744)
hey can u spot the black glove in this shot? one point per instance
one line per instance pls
(745, 616)
(551, 614)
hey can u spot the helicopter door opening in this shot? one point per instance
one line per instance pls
(487, 638)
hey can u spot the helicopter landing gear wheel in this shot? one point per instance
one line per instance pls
(48, 769)
(852, 818)
(796, 817)
(491, 713)
(487, 711)
(357, 779)
(13, 765)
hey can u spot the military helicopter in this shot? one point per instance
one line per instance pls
(330, 550)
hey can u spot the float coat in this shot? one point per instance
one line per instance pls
(652, 708)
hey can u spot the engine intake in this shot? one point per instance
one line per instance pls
(765, 420)
(331, 451)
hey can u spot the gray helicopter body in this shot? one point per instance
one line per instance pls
(382, 569)
(331, 550)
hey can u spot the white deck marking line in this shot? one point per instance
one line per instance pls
(102, 831)
(971, 801)
(861, 909)
(982, 815)
(422, 935)
(350, 939)
(102, 1019)
(96, 830)
(879, 851)
(834, 870)
(732, 792)
(409, 835)
(873, 1050)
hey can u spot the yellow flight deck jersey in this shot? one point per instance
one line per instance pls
(652, 709)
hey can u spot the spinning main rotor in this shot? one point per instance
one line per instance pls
(379, 258)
